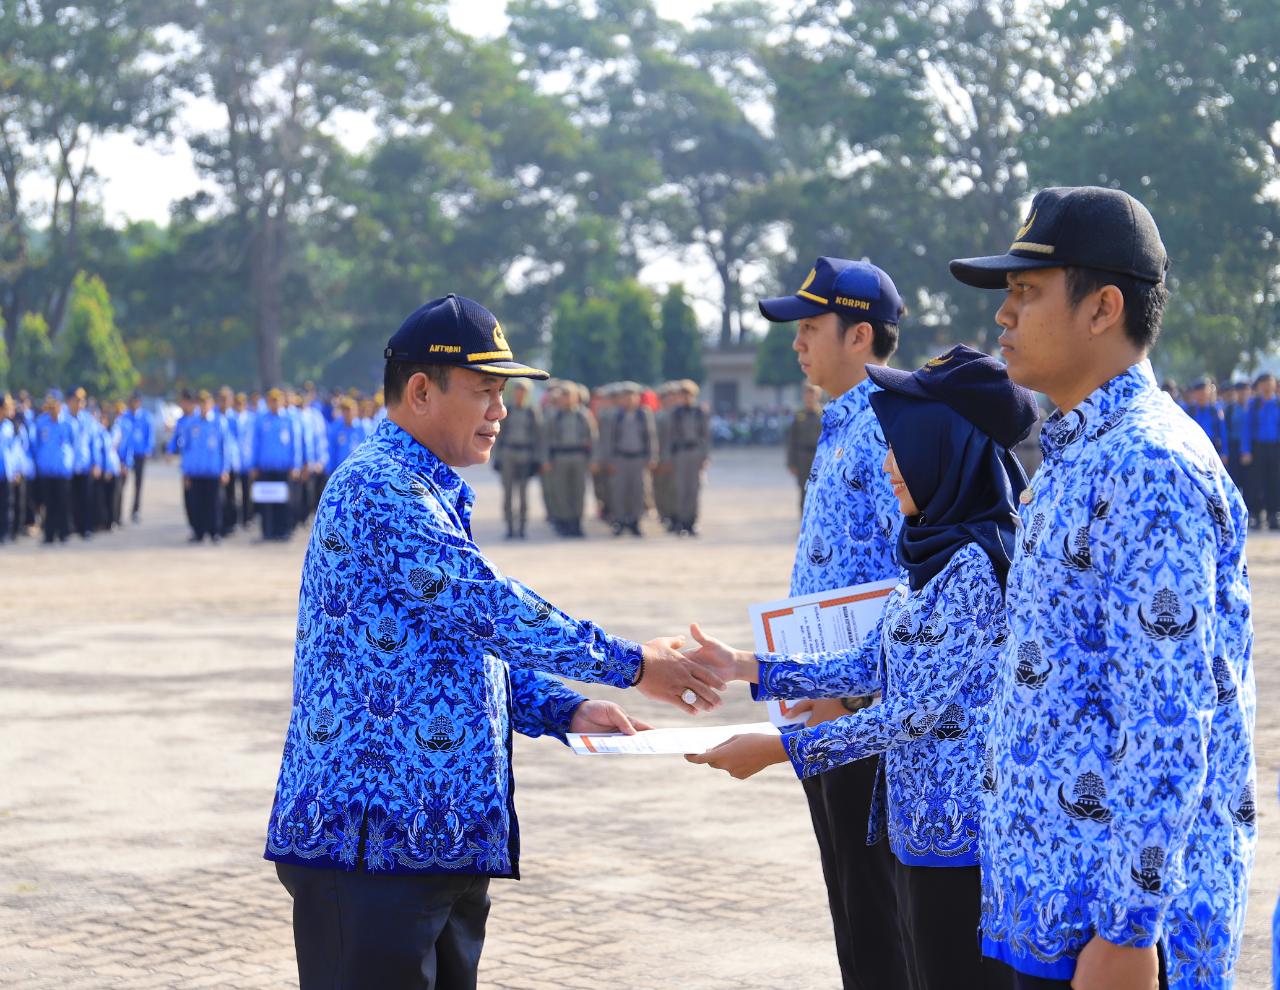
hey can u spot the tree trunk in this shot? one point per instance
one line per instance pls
(265, 260)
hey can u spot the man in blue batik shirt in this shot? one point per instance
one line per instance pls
(415, 659)
(1120, 829)
(846, 315)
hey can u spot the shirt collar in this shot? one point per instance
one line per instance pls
(843, 408)
(448, 484)
(1100, 412)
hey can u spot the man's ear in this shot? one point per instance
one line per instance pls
(418, 392)
(1108, 311)
(859, 336)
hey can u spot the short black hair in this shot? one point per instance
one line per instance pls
(884, 336)
(396, 375)
(1144, 301)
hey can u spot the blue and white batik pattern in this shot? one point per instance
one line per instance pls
(849, 528)
(934, 656)
(1121, 770)
(414, 660)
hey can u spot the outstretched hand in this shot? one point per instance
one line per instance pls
(743, 756)
(721, 659)
(672, 677)
(605, 716)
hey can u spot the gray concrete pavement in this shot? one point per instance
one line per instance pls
(145, 694)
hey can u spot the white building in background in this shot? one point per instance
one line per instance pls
(729, 384)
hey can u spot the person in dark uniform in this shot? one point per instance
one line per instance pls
(571, 437)
(802, 438)
(689, 450)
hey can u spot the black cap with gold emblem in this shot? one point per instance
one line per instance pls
(1076, 226)
(458, 331)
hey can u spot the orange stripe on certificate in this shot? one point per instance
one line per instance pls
(767, 618)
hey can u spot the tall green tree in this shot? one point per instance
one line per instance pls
(681, 338)
(91, 351)
(69, 73)
(584, 340)
(638, 333)
(34, 366)
(776, 359)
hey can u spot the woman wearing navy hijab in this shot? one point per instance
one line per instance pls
(933, 656)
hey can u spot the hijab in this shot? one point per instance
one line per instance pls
(963, 482)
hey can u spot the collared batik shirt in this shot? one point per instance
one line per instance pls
(934, 657)
(415, 657)
(850, 524)
(1121, 757)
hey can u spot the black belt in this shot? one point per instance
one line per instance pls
(570, 450)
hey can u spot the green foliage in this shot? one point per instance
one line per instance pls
(584, 340)
(91, 351)
(776, 359)
(681, 338)
(34, 366)
(638, 334)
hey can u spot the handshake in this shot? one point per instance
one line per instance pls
(690, 678)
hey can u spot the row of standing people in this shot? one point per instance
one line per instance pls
(64, 470)
(243, 459)
(634, 456)
(1244, 426)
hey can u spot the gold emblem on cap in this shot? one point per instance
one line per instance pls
(1026, 227)
(940, 360)
(813, 273)
(500, 338)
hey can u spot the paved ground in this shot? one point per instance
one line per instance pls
(145, 695)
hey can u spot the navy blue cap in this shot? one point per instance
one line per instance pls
(1076, 226)
(974, 384)
(1204, 382)
(53, 393)
(837, 285)
(457, 331)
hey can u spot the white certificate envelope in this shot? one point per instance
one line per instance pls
(668, 742)
(269, 492)
(826, 622)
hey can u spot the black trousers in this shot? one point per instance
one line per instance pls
(1021, 981)
(84, 516)
(139, 468)
(1266, 480)
(368, 931)
(206, 506)
(229, 511)
(939, 915)
(246, 499)
(55, 496)
(8, 490)
(276, 517)
(105, 490)
(1242, 475)
(859, 877)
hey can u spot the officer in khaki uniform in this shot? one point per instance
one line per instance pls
(688, 452)
(571, 438)
(632, 452)
(664, 478)
(606, 409)
(520, 453)
(802, 438)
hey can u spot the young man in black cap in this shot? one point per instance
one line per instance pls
(846, 316)
(415, 659)
(1120, 830)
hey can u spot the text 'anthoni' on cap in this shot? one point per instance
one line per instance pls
(838, 285)
(1078, 227)
(457, 331)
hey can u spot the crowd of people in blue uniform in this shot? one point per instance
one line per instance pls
(65, 466)
(265, 456)
(1243, 421)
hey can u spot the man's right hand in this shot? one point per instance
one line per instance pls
(669, 673)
